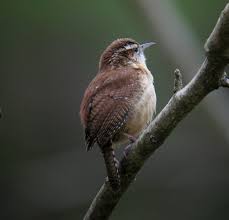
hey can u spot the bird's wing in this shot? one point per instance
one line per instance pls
(107, 104)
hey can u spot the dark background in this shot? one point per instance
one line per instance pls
(49, 53)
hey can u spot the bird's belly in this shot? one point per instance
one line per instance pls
(141, 116)
(144, 107)
(143, 111)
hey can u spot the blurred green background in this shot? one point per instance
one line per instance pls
(49, 53)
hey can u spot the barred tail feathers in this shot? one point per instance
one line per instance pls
(112, 167)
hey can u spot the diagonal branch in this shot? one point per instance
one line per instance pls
(208, 78)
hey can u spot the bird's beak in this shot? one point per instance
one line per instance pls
(145, 45)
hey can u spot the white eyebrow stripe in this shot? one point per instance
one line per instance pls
(130, 46)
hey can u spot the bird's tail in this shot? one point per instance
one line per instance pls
(112, 167)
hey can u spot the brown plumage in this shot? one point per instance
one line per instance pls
(120, 100)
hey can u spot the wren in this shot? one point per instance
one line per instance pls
(119, 102)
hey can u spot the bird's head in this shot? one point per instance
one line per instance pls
(122, 52)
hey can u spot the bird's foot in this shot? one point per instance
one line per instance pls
(131, 138)
(127, 150)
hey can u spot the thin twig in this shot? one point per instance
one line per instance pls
(178, 84)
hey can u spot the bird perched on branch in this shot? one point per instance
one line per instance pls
(119, 102)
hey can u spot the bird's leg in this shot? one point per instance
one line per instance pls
(127, 150)
(131, 138)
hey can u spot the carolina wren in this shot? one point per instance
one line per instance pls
(119, 102)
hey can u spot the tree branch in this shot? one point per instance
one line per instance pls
(208, 78)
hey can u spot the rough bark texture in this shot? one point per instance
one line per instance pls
(209, 77)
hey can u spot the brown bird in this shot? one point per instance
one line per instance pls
(119, 102)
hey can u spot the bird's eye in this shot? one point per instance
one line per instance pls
(136, 49)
